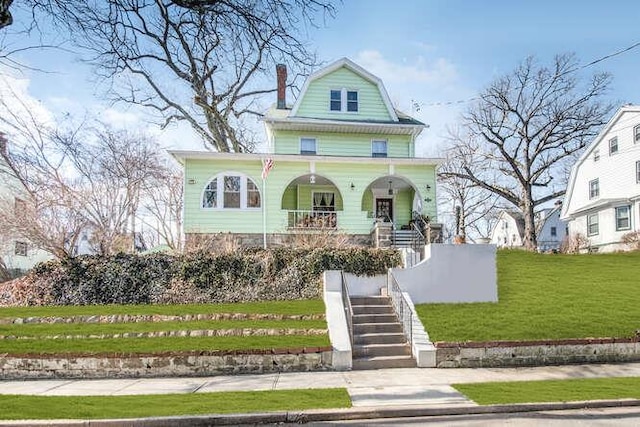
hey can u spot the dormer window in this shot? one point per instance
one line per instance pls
(344, 100)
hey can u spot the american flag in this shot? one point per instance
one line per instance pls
(267, 164)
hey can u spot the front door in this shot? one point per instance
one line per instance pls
(384, 209)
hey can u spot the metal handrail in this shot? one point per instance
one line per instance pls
(419, 241)
(400, 306)
(346, 302)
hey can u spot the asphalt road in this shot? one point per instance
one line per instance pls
(623, 417)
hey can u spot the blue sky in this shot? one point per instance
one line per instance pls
(430, 51)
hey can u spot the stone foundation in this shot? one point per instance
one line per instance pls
(536, 353)
(170, 365)
(256, 240)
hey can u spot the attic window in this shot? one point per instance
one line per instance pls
(352, 101)
(596, 155)
(343, 100)
(336, 100)
(613, 146)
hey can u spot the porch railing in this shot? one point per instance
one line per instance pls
(400, 306)
(312, 219)
(346, 302)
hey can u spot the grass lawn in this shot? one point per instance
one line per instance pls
(496, 393)
(161, 345)
(543, 296)
(80, 407)
(41, 329)
(297, 307)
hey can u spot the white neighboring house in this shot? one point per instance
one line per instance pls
(602, 202)
(508, 231)
(18, 255)
(550, 230)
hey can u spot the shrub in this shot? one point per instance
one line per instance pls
(632, 240)
(245, 275)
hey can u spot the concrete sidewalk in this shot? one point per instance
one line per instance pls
(412, 387)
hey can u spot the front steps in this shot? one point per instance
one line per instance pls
(378, 340)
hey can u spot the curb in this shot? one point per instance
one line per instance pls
(327, 415)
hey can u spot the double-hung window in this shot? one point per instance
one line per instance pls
(554, 231)
(308, 146)
(623, 218)
(352, 101)
(596, 155)
(638, 171)
(379, 148)
(613, 146)
(336, 100)
(343, 100)
(592, 224)
(636, 134)
(594, 188)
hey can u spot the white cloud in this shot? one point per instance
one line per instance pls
(440, 71)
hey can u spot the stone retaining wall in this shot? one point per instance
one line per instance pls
(137, 318)
(183, 364)
(536, 353)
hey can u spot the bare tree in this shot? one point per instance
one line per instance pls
(477, 206)
(162, 202)
(203, 62)
(5, 15)
(525, 127)
(82, 180)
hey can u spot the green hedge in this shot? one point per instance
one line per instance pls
(248, 275)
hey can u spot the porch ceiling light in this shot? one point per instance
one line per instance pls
(390, 188)
(353, 187)
(312, 179)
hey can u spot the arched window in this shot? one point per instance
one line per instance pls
(231, 190)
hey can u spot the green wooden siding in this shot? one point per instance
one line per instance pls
(316, 99)
(367, 203)
(290, 198)
(341, 144)
(354, 205)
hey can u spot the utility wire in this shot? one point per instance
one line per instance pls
(417, 105)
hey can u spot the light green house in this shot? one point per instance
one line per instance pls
(342, 160)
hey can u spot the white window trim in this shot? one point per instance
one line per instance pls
(611, 153)
(597, 223)
(300, 144)
(344, 101)
(638, 171)
(386, 141)
(597, 181)
(636, 134)
(615, 215)
(220, 192)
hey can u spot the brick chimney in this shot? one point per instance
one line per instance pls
(3, 145)
(281, 73)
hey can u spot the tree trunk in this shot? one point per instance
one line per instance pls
(529, 239)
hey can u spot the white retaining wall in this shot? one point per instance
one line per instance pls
(452, 274)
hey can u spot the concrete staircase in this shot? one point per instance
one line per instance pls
(378, 340)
